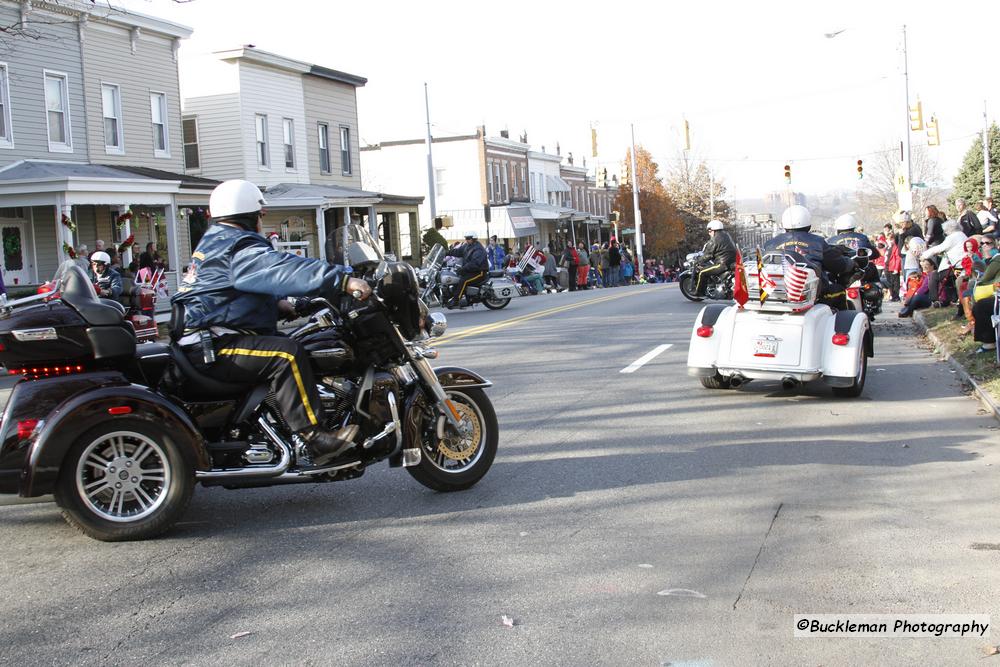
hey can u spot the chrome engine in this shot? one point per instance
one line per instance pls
(338, 395)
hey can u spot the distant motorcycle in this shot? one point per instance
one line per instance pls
(718, 287)
(864, 291)
(437, 281)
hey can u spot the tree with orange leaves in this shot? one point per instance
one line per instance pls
(662, 223)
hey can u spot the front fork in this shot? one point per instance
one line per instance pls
(445, 405)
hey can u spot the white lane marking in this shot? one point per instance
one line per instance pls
(646, 358)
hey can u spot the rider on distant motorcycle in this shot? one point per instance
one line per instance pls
(474, 265)
(719, 257)
(849, 238)
(107, 279)
(822, 256)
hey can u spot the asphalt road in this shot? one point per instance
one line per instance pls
(630, 518)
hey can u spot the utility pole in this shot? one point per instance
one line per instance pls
(986, 148)
(711, 193)
(906, 89)
(635, 207)
(430, 159)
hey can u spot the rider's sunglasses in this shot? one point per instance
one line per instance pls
(98, 263)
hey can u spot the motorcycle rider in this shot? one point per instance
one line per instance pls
(823, 257)
(107, 279)
(231, 305)
(474, 265)
(849, 238)
(718, 258)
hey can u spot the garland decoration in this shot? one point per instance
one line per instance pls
(70, 225)
(126, 244)
(68, 249)
(123, 218)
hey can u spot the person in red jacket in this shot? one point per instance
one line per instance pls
(893, 265)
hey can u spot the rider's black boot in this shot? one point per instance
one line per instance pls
(324, 446)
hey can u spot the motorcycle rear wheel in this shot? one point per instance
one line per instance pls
(95, 497)
(441, 467)
(687, 288)
(495, 304)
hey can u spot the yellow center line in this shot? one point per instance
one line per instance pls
(495, 326)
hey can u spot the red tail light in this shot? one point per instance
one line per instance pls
(841, 339)
(26, 428)
(120, 410)
(705, 331)
(39, 372)
(853, 293)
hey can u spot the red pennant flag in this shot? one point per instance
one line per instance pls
(741, 294)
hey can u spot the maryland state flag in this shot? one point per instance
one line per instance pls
(767, 285)
(741, 294)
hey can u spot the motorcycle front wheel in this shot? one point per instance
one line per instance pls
(687, 286)
(456, 463)
(123, 480)
(495, 304)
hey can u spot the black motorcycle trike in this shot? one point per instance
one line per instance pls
(120, 433)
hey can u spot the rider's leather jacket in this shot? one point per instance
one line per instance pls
(110, 282)
(720, 249)
(854, 241)
(473, 258)
(816, 251)
(236, 278)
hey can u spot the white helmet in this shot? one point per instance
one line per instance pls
(470, 234)
(101, 256)
(796, 217)
(845, 222)
(715, 225)
(236, 197)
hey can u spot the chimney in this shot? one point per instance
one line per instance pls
(557, 149)
(524, 137)
(505, 134)
(569, 157)
(543, 150)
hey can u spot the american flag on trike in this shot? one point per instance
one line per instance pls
(795, 278)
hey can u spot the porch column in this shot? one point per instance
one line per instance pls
(588, 237)
(572, 229)
(173, 257)
(372, 223)
(64, 235)
(126, 231)
(321, 232)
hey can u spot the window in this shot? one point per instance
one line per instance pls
(505, 190)
(111, 102)
(324, 148)
(514, 179)
(262, 150)
(345, 150)
(288, 132)
(161, 138)
(6, 132)
(524, 182)
(489, 181)
(57, 112)
(192, 160)
(439, 182)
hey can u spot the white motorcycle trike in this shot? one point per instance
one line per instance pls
(789, 338)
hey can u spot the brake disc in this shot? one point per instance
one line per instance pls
(458, 448)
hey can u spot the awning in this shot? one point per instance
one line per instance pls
(549, 212)
(556, 184)
(579, 216)
(522, 222)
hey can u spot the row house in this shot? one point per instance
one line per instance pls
(490, 185)
(290, 127)
(90, 138)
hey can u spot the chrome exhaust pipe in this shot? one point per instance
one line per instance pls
(278, 468)
(788, 382)
(736, 380)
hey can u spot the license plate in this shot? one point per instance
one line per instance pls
(765, 346)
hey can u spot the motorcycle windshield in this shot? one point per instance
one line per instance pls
(434, 258)
(353, 246)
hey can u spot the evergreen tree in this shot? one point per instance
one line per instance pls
(970, 181)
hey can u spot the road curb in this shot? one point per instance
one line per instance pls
(983, 395)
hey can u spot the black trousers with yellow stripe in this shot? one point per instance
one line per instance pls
(279, 360)
(703, 274)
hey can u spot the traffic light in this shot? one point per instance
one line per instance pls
(861, 170)
(788, 174)
(593, 142)
(917, 117)
(933, 136)
(626, 173)
(602, 177)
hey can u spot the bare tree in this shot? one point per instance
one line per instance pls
(877, 198)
